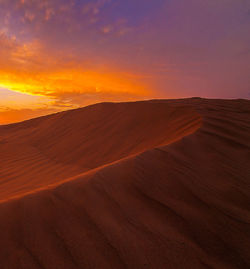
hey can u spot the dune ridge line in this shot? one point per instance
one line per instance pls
(169, 205)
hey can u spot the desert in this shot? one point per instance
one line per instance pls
(152, 184)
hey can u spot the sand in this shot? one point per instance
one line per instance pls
(156, 184)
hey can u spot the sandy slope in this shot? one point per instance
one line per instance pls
(50, 149)
(182, 204)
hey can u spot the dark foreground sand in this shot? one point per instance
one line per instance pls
(159, 184)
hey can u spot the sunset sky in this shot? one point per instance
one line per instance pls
(62, 54)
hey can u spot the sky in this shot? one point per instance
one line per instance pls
(63, 54)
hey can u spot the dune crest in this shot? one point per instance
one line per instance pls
(50, 149)
(180, 198)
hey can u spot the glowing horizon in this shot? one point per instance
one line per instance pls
(58, 54)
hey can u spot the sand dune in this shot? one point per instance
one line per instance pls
(159, 184)
(50, 149)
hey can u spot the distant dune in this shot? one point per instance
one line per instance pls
(156, 184)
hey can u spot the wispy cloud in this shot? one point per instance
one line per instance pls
(77, 52)
(31, 69)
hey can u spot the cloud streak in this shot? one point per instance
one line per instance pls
(77, 52)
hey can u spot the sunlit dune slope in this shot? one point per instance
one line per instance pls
(182, 201)
(50, 149)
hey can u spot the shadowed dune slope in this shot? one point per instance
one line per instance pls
(173, 205)
(47, 150)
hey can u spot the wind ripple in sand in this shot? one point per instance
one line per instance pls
(179, 205)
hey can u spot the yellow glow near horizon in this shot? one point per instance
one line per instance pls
(58, 81)
(63, 89)
(70, 81)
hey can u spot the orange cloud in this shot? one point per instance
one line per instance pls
(56, 83)
(65, 89)
(28, 68)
